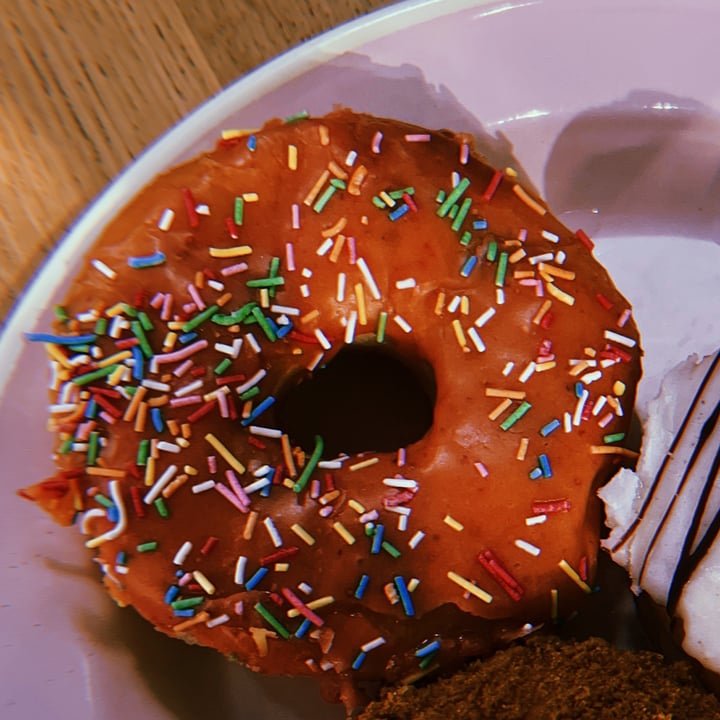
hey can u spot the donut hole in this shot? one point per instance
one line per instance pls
(367, 398)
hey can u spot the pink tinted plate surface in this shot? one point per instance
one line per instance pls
(610, 109)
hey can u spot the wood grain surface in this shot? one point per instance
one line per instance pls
(86, 84)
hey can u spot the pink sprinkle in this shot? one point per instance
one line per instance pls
(377, 139)
(195, 295)
(606, 419)
(401, 457)
(239, 607)
(181, 354)
(464, 153)
(290, 257)
(315, 489)
(295, 216)
(109, 419)
(223, 404)
(234, 269)
(326, 511)
(352, 250)
(187, 400)
(212, 464)
(157, 300)
(166, 312)
(522, 235)
(231, 497)
(237, 488)
(189, 308)
(624, 317)
(481, 469)
(180, 370)
(185, 579)
(417, 137)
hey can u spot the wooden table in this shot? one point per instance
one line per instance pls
(86, 84)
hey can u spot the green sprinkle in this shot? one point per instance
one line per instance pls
(265, 282)
(273, 272)
(397, 194)
(79, 348)
(187, 603)
(515, 415)
(238, 316)
(264, 324)
(302, 115)
(382, 324)
(161, 507)
(501, 269)
(239, 210)
(93, 448)
(379, 202)
(369, 529)
(129, 310)
(147, 546)
(143, 452)
(251, 393)
(60, 313)
(462, 214)
(323, 200)
(492, 251)
(139, 332)
(453, 197)
(66, 446)
(453, 212)
(302, 481)
(101, 326)
(465, 238)
(145, 321)
(200, 318)
(94, 375)
(615, 437)
(338, 183)
(103, 500)
(428, 659)
(390, 549)
(222, 366)
(271, 620)
(440, 197)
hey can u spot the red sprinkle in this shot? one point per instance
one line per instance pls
(583, 568)
(232, 408)
(232, 228)
(108, 392)
(137, 501)
(201, 411)
(197, 371)
(278, 474)
(210, 543)
(277, 599)
(230, 379)
(410, 202)
(106, 405)
(126, 343)
(506, 581)
(329, 482)
(257, 443)
(304, 610)
(547, 507)
(279, 555)
(398, 498)
(303, 338)
(209, 274)
(604, 301)
(189, 203)
(495, 181)
(584, 238)
(547, 320)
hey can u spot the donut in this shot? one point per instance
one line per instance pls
(335, 399)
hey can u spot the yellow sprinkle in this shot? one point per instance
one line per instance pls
(363, 464)
(540, 314)
(113, 359)
(287, 455)
(250, 524)
(117, 309)
(233, 133)
(361, 306)
(309, 317)
(337, 249)
(105, 472)
(344, 533)
(203, 582)
(358, 507)
(579, 368)
(619, 387)
(190, 470)
(460, 335)
(613, 450)
(324, 134)
(556, 271)
(302, 533)
(335, 229)
(529, 201)
(554, 605)
(250, 197)
(503, 393)
(561, 295)
(356, 181)
(201, 617)
(523, 274)
(440, 303)
(181, 441)
(57, 354)
(288, 483)
(518, 255)
(292, 160)
(150, 471)
(572, 574)
(337, 171)
(231, 252)
(465, 305)
(386, 199)
(175, 324)
(316, 188)
(470, 587)
(264, 297)
(522, 448)
(229, 458)
(321, 602)
(453, 523)
(549, 365)
(511, 172)
(169, 341)
(500, 409)
(116, 376)
(590, 352)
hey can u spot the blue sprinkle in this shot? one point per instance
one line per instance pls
(190, 612)
(545, 465)
(377, 539)
(284, 330)
(399, 211)
(179, 573)
(258, 410)
(185, 338)
(404, 594)
(480, 224)
(138, 371)
(427, 649)
(536, 474)
(550, 427)
(252, 143)
(260, 573)
(304, 627)
(172, 594)
(112, 514)
(60, 339)
(469, 266)
(144, 261)
(362, 586)
(121, 558)
(579, 389)
(359, 660)
(91, 409)
(157, 420)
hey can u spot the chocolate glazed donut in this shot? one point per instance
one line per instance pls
(474, 369)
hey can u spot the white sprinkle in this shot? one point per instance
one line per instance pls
(403, 523)
(252, 342)
(254, 380)
(160, 484)
(262, 471)
(216, 285)
(545, 257)
(552, 237)
(399, 510)
(375, 144)
(455, 178)
(499, 296)
(240, 566)
(476, 339)
(202, 209)
(166, 219)
(325, 247)
(485, 317)
(527, 372)
(508, 368)
(295, 214)
(577, 415)
(416, 539)
(406, 284)
(453, 523)
(165, 446)
(203, 486)
(402, 323)
(330, 464)
(620, 339)
(100, 266)
(341, 284)
(591, 377)
(219, 620)
(560, 257)
(351, 157)
(528, 547)
(182, 554)
(316, 360)
(257, 485)
(369, 279)
(286, 309)
(155, 385)
(325, 344)
(265, 431)
(599, 405)
(567, 422)
(535, 520)
(372, 644)
(400, 483)
(62, 408)
(305, 588)
(350, 329)
(464, 153)
(273, 532)
(480, 467)
(454, 304)
(305, 290)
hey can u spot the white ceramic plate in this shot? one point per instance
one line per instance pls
(611, 108)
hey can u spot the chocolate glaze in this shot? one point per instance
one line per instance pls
(556, 312)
